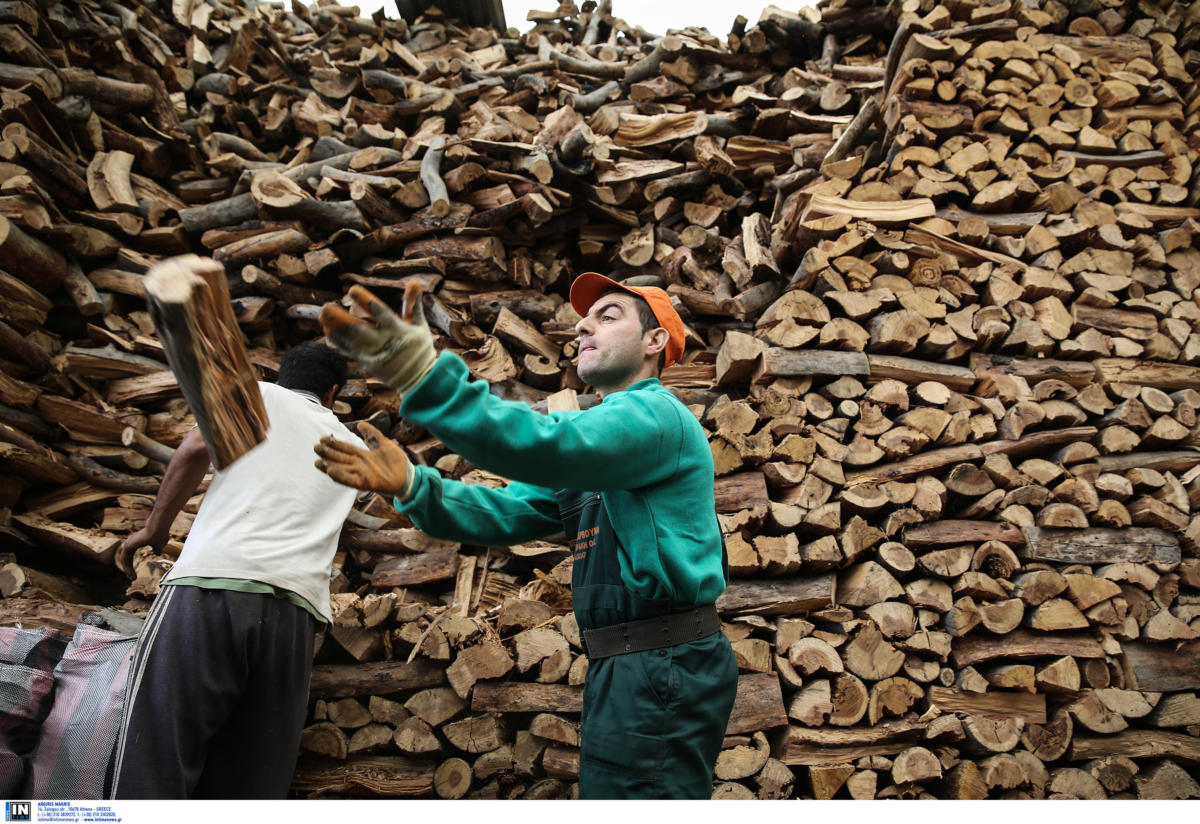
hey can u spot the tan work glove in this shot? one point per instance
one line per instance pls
(382, 468)
(396, 349)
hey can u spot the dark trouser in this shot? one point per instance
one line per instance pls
(217, 697)
(654, 721)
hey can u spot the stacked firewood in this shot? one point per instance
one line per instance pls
(938, 264)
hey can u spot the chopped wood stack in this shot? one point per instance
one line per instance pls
(939, 266)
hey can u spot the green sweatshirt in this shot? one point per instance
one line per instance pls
(641, 449)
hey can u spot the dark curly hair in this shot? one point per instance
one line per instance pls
(312, 367)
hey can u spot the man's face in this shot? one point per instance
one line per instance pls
(610, 341)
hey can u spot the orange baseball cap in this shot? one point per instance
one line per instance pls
(589, 286)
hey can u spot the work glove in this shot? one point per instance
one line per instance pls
(382, 468)
(396, 349)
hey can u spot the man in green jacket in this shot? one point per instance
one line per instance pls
(630, 482)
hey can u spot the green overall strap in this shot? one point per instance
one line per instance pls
(599, 596)
(653, 721)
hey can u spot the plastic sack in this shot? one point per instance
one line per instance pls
(75, 753)
(27, 661)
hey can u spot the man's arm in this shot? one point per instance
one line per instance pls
(472, 513)
(184, 473)
(633, 439)
(444, 509)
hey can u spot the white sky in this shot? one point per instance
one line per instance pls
(655, 16)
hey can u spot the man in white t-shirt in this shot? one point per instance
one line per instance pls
(218, 689)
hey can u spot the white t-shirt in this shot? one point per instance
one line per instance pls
(271, 515)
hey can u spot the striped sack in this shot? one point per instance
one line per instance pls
(27, 661)
(75, 754)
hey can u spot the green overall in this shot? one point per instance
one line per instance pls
(648, 544)
(653, 721)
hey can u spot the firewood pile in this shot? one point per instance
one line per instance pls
(939, 266)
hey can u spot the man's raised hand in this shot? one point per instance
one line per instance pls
(382, 468)
(397, 349)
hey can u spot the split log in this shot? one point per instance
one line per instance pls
(378, 776)
(439, 200)
(777, 597)
(378, 678)
(189, 302)
(822, 747)
(40, 266)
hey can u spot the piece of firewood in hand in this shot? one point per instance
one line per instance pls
(189, 302)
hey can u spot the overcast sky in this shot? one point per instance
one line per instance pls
(655, 16)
